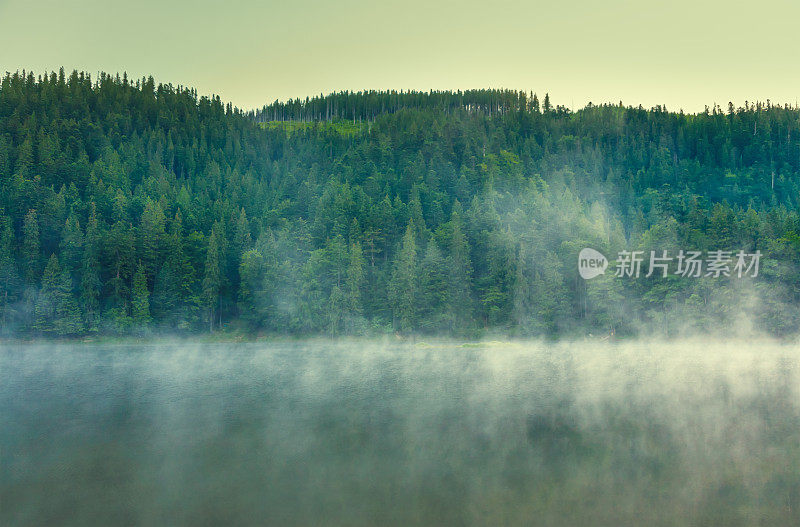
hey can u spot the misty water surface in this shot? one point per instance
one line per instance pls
(359, 433)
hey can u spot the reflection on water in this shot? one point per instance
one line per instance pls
(357, 433)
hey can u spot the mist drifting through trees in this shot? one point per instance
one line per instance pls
(349, 237)
(129, 207)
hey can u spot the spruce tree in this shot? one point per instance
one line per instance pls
(433, 289)
(68, 318)
(521, 293)
(242, 240)
(71, 246)
(140, 299)
(31, 247)
(460, 282)
(90, 272)
(336, 310)
(403, 286)
(211, 278)
(174, 293)
(9, 278)
(354, 284)
(47, 299)
(151, 235)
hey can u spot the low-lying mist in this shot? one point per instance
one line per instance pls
(692, 432)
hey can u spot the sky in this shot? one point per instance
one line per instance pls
(683, 54)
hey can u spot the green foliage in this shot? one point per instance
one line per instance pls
(140, 299)
(56, 310)
(338, 127)
(453, 212)
(403, 289)
(31, 246)
(212, 278)
(9, 276)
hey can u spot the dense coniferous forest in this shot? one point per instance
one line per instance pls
(128, 207)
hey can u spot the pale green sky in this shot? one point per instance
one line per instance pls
(682, 53)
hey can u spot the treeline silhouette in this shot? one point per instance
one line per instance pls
(367, 105)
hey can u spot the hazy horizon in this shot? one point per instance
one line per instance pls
(682, 55)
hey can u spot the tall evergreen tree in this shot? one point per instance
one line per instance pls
(460, 274)
(152, 236)
(140, 298)
(90, 272)
(71, 246)
(403, 286)
(211, 279)
(433, 290)
(47, 299)
(9, 277)
(68, 317)
(354, 284)
(31, 247)
(522, 298)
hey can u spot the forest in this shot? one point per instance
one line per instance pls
(134, 208)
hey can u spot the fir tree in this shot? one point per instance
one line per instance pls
(140, 298)
(211, 279)
(354, 284)
(9, 278)
(31, 246)
(403, 286)
(460, 274)
(90, 273)
(152, 234)
(71, 246)
(68, 317)
(433, 294)
(46, 300)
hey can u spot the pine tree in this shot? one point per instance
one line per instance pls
(9, 278)
(228, 269)
(174, 297)
(152, 235)
(460, 274)
(56, 310)
(415, 213)
(31, 247)
(140, 299)
(535, 104)
(211, 278)
(242, 240)
(433, 293)
(336, 310)
(90, 272)
(354, 283)
(46, 300)
(71, 246)
(253, 299)
(403, 286)
(550, 292)
(166, 292)
(120, 254)
(68, 318)
(521, 292)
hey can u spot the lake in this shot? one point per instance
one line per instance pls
(386, 433)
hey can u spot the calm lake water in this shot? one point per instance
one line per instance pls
(367, 433)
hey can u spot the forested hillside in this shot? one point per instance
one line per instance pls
(131, 207)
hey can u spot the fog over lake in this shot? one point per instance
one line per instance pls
(695, 432)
